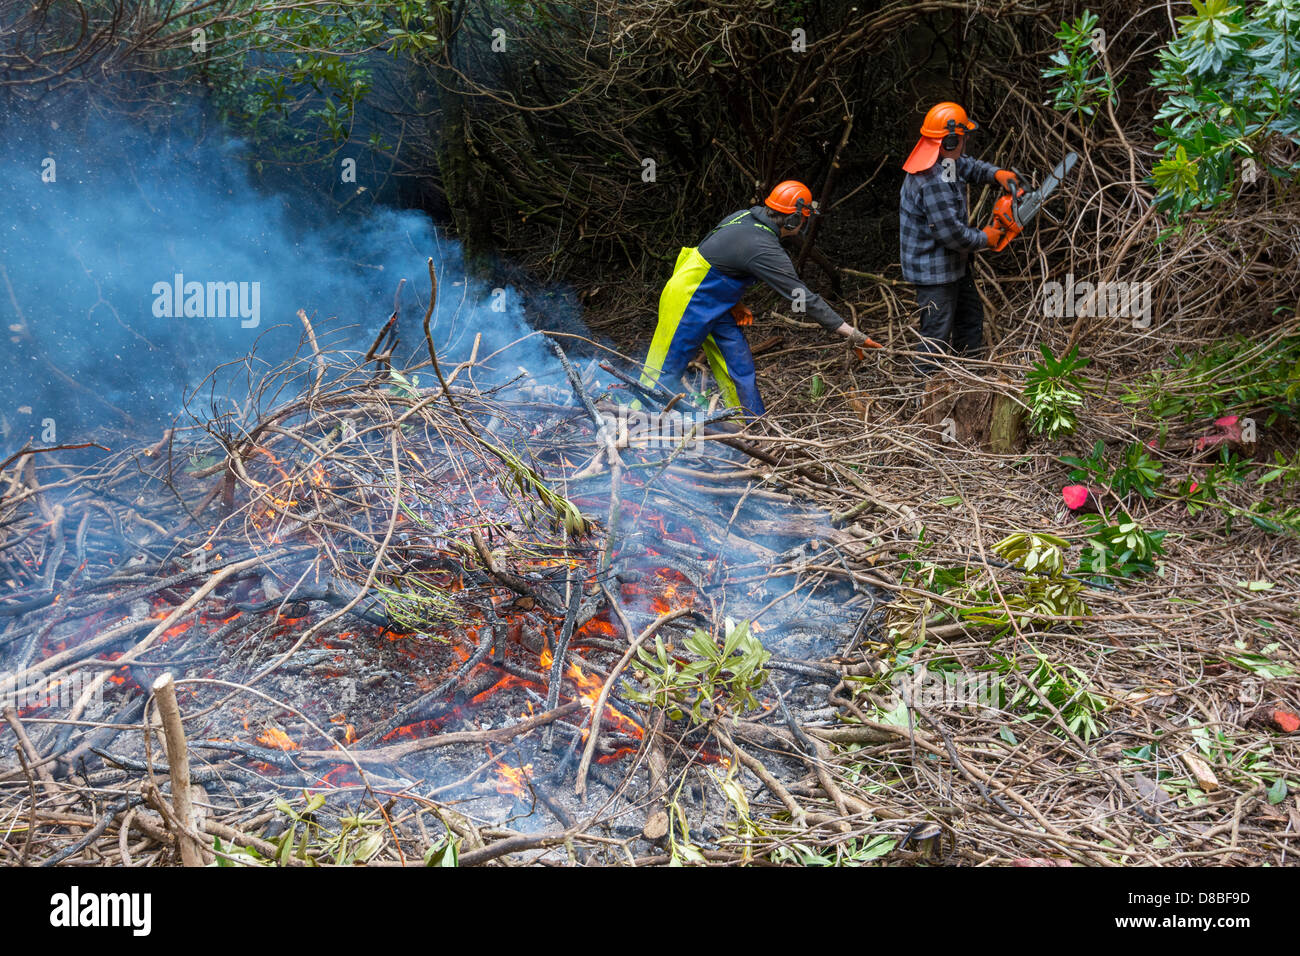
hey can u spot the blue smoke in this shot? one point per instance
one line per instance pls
(93, 224)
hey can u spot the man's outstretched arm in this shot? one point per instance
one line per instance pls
(773, 266)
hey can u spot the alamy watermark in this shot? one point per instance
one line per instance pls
(1116, 300)
(212, 300)
(940, 690)
(75, 909)
(61, 693)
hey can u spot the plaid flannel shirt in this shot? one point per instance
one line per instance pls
(934, 238)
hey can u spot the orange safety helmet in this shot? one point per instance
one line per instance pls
(940, 129)
(789, 197)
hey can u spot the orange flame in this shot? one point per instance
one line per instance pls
(589, 687)
(513, 781)
(276, 739)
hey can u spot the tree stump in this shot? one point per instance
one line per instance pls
(1006, 422)
(970, 415)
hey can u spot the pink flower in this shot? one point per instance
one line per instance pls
(1076, 496)
(1229, 431)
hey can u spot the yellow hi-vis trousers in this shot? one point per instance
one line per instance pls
(695, 312)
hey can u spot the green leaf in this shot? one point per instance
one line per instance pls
(875, 848)
(443, 854)
(314, 803)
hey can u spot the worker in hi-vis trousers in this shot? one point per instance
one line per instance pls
(699, 307)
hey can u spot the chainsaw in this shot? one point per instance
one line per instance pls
(1012, 213)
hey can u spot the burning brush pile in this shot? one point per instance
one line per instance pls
(446, 614)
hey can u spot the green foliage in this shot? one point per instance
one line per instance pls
(1270, 516)
(1286, 472)
(1262, 663)
(1093, 469)
(357, 838)
(1039, 553)
(1273, 516)
(1122, 549)
(293, 76)
(1054, 392)
(531, 484)
(1066, 689)
(302, 827)
(1231, 472)
(1231, 84)
(722, 679)
(1137, 471)
(1242, 761)
(1082, 79)
(444, 853)
(742, 829)
(235, 855)
(403, 387)
(851, 853)
(199, 461)
(1238, 375)
(930, 575)
(682, 849)
(419, 605)
(1044, 590)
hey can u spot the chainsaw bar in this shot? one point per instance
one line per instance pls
(1031, 203)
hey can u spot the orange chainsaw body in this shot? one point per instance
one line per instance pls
(1013, 211)
(1004, 220)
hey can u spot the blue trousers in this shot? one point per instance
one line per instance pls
(695, 313)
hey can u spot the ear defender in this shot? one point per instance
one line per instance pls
(796, 219)
(950, 141)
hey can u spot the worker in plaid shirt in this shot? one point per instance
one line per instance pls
(935, 240)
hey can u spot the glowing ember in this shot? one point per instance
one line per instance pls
(618, 754)
(349, 732)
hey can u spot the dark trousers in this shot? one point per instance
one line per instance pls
(952, 319)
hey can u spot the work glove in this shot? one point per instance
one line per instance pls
(1006, 178)
(860, 342)
(993, 234)
(742, 315)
